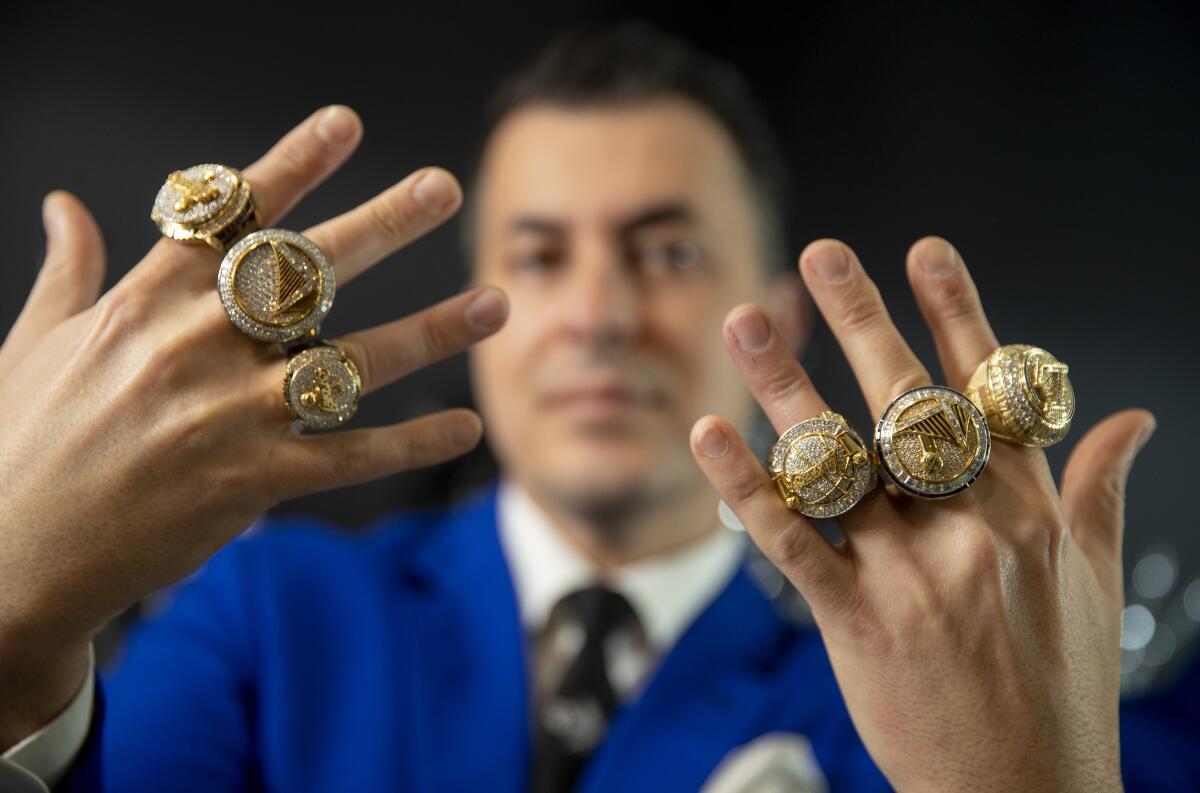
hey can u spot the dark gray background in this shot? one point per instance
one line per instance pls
(1055, 146)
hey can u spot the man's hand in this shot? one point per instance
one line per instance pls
(143, 431)
(975, 640)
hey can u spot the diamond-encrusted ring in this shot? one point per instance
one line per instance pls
(932, 442)
(321, 386)
(207, 203)
(821, 466)
(1025, 395)
(276, 285)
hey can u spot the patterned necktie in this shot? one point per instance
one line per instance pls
(577, 693)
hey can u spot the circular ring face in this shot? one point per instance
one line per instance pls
(932, 442)
(1025, 394)
(821, 466)
(321, 386)
(208, 203)
(276, 285)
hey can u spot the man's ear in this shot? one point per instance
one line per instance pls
(791, 309)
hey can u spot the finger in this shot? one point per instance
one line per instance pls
(371, 231)
(302, 159)
(1093, 486)
(769, 368)
(388, 352)
(312, 463)
(882, 362)
(71, 275)
(950, 303)
(822, 573)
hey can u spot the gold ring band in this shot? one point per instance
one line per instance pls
(1025, 395)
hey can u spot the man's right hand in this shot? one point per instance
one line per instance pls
(143, 431)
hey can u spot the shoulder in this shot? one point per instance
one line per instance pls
(299, 550)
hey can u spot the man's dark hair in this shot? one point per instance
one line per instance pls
(634, 61)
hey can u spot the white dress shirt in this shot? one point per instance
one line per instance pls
(667, 592)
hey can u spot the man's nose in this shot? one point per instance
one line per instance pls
(604, 302)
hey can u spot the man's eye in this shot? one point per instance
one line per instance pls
(535, 261)
(670, 256)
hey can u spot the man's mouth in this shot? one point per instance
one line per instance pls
(602, 399)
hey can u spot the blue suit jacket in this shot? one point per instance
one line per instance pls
(304, 659)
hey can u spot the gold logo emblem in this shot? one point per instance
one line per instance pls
(325, 392)
(932, 442)
(821, 466)
(194, 191)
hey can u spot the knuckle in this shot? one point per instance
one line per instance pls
(899, 382)
(957, 300)
(297, 156)
(792, 546)
(432, 338)
(781, 383)
(115, 316)
(863, 310)
(740, 486)
(392, 215)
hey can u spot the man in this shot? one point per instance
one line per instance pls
(588, 624)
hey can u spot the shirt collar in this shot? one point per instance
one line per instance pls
(666, 591)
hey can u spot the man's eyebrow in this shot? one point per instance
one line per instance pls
(667, 212)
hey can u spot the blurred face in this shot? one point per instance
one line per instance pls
(622, 237)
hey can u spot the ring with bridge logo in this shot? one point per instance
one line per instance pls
(207, 203)
(276, 285)
(1025, 395)
(822, 467)
(932, 442)
(321, 385)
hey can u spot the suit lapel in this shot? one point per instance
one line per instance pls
(709, 694)
(468, 653)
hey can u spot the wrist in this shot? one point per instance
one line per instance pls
(38, 679)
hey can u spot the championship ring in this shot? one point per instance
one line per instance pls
(206, 203)
(321, 386)
(276, 285)
(932, 442)
(1025, 395)
(821, 466)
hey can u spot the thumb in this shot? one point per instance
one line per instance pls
(71, 275)
(1093, 488)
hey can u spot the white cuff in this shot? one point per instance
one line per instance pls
(45, 756)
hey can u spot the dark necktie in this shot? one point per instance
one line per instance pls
(571, 718)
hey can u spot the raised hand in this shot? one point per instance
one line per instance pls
(975, 639)
(144, 431)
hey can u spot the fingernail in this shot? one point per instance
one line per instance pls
(488, 311)
(52, 217)
(751, 330)
(938, 262)
(712, 442)
(1144, 437)
(336, 125)
(830, 263)
(464, 433)
(433, 191)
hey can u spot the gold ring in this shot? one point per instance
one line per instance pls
(206, 203)
(1025, 395)
(821, 466)
(932, 442)
(321, 386)
(276, 285)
